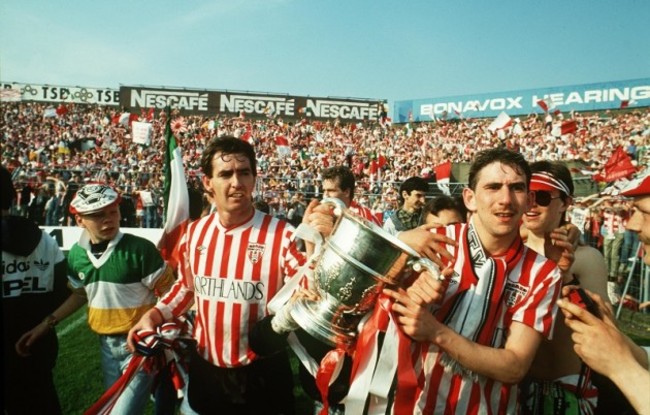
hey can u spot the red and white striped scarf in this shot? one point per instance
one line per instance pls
(155, 350)
(474, 310)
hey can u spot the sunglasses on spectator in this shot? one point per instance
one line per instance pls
(544, 198)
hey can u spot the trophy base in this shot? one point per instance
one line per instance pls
(325, 321)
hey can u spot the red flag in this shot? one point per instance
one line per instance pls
(61, 110)
(373, 166)
(133, 117)
(284, 150)
(125, 118)
(381, 161)
(247, 135)
(568, 127)
(618, 166)
(146, 115)
(625, 103)
(281, 141)
(443, 175)
(542, 104)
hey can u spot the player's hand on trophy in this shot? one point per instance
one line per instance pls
(415, 320)
(429, 244)
(283, 322)
(320, 216)
(429, 289)
(308, 294)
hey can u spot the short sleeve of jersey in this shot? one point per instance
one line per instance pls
(538, 309)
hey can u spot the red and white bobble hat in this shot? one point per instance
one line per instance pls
(639, 186)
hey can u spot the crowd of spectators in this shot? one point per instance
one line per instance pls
(52, 156)
(605, 229)
(55, 154)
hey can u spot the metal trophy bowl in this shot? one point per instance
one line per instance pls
(357, 261)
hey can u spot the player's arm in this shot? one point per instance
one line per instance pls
(73, 303)
(508, 365)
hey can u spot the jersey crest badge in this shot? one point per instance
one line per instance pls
(255, 252)
(515, 293)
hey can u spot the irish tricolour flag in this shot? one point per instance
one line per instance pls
(176, 198)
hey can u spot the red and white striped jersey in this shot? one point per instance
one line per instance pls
(364, 212)
(532, 285)
(231, 274)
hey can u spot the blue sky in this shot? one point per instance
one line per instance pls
(367, 49)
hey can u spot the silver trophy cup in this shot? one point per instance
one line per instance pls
(358, 260)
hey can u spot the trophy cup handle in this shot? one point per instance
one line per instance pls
(420, 264)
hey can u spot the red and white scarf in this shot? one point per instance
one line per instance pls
(473, 311)
(155, 351)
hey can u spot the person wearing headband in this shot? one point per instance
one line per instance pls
(557, 382)
(598, 342)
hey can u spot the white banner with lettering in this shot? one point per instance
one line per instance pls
(142, 132)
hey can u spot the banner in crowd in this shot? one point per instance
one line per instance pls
(142, 132)
(13, 91)
(587, 97)
(245, 104)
